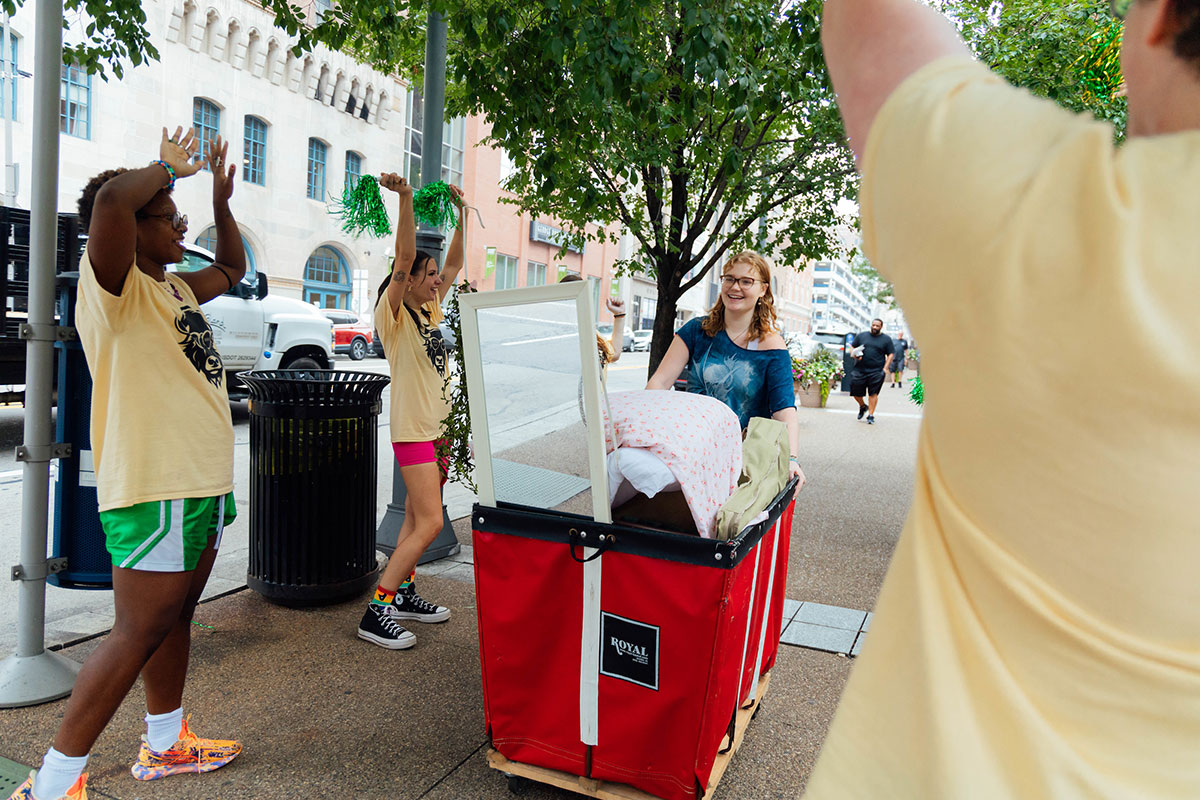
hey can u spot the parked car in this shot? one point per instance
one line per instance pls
(834, 341)
(801, 345)
(639, 341)
(254, 330)
(351, 335)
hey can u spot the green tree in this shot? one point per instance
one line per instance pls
(1064, 51)
(701, 128)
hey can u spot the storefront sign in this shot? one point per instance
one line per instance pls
(548, 234)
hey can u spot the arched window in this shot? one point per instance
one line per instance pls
(206, 120)
(208, 240)
(327, 279)
(254, 151)
(316, 169)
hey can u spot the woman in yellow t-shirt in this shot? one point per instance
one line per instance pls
(162, 440)
(407, 313)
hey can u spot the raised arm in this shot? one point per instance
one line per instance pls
(112, 234)
(871, 46)
(406, 240)
(454, 255)
(230, 266)
(617, 307)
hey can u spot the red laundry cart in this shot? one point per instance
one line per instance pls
(614, 654)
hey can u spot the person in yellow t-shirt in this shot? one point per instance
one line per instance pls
(162, 439)
(1038, 632)
(407, 313)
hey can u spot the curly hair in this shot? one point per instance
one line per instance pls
(87, 199)
(1187, 40)
(763, 323)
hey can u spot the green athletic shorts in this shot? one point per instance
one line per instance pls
(166, 535)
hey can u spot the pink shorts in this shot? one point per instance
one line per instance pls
(410, 453)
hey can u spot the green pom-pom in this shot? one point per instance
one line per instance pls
(434, 206)
(362, 209)
(917, 392)
(1100, 67)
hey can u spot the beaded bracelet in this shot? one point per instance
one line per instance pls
(170, 171)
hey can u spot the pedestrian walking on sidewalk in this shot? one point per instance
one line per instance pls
(873, 354)
(162, 439)
(736, 353)
(1038, 632)
(897, 367)
(407, 313)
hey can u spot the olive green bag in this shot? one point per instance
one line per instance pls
(765, 455)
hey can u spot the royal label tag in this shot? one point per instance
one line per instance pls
(629, 650)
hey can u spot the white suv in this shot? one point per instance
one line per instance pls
(252, 330)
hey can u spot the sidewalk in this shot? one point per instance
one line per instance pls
(325, 714)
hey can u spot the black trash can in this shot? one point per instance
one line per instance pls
(313, 476)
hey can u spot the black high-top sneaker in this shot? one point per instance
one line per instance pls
(380, 625)
(411, 606)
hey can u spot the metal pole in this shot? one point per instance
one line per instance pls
(430, 240)
(34, 675)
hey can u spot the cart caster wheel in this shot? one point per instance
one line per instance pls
(516, 784)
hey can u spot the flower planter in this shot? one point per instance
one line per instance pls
(812, 397)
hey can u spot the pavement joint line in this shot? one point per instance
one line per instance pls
(894, 414)
(454, 769)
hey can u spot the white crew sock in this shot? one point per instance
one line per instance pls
(162, 730)
(57, 775)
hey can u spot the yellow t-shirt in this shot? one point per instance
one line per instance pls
(416, 356)
(161, 428)
(1038, 632)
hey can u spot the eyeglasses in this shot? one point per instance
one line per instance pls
(1120, 7)
(178, 221)
(746, 283)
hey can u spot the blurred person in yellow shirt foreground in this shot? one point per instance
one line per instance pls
(1038, 632)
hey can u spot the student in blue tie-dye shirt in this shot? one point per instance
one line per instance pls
(736, 353)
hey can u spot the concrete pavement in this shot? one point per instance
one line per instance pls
(324, 714)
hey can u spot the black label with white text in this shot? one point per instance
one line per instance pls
(629, 650)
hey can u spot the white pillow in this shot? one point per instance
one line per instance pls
(632, 470)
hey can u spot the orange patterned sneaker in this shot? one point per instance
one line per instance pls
(189, 754)
(78, 791)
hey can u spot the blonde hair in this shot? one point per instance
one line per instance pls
(763, 323)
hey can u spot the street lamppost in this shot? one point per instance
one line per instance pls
(431, 241)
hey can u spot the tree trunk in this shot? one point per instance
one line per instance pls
(664, 322)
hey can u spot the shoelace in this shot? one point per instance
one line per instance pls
(389, 622)
(421, 603)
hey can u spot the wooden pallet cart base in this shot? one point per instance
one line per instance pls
(606, 790)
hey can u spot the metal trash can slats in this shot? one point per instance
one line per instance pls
(313, 476)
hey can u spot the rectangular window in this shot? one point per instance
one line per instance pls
(254, 151)
(75, 102)
(535, 274)
(8, 87)
(506, 272)
(353, 168)
(206, 121)
(453, 147)
(414, 121)
(507, 167)
(316, 169)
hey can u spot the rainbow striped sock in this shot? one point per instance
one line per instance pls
(383, 596)
(407, 585)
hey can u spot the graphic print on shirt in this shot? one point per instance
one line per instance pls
(728, 379)
(431, 337)
(197, 344)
